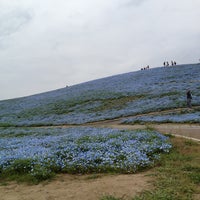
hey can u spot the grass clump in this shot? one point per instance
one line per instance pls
(178, 173)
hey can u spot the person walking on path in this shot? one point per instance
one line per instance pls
(189, 99)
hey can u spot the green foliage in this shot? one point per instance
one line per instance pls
(19, 167)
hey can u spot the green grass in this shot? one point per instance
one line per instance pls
(176, 176)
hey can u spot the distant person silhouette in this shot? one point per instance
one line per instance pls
(189, 99)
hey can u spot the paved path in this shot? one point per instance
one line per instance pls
(190, 131)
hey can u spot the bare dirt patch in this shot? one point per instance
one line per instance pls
(84, 187)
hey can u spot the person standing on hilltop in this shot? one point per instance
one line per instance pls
(189, 99)
(164, 64)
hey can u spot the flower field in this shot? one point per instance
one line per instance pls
(39, 151)
(190, 117)
(107, 98)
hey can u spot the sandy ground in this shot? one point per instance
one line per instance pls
(79, 187)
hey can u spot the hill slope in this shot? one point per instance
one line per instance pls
(121, 95)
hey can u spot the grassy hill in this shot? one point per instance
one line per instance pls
(107, 98)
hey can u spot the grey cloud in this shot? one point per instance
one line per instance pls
(13, 21)
(129, 3)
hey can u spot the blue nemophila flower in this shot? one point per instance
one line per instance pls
(82, 149)
(166, 118)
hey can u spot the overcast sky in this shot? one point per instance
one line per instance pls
(48, 44)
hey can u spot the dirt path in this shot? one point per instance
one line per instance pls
(74, 187)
